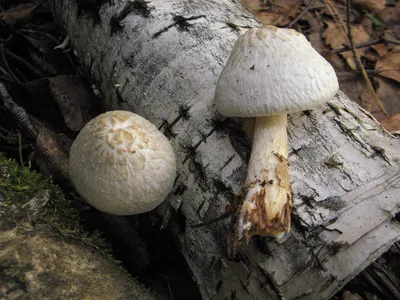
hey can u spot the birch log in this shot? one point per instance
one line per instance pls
(161, 59)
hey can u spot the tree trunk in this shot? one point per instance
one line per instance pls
(161, 59)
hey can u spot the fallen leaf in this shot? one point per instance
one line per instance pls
(352, 85)
(391, 123)
(336, 38)
(390, 15)
(374, 6)
(347, 295)
(389, 93)
(368, 101)
(19, 13)
(335, 60)
(389, 66)
(381, 49)
(278, 12)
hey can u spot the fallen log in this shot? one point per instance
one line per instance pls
(161, 59)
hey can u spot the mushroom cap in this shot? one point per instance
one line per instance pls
(122, 164)
(273, 71)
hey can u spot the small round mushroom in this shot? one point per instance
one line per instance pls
(122, 164)
(271, 72)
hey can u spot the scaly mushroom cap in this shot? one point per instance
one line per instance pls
(122, 164)
(273, 71)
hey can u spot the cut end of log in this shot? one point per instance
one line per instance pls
(265, 211)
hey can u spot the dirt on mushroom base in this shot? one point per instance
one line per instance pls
(373, 23)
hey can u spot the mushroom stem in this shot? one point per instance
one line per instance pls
(267, 199)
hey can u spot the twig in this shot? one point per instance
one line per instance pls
(362, 45)
(21, 160)
(360, 65)
(336, 16)
(301, 14)
(350, 37)
(17, 111)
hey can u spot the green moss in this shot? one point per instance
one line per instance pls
(29, 201)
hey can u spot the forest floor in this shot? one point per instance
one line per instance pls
(46, 98)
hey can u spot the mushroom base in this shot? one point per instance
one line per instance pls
(267, 202)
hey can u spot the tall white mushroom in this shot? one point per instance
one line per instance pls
(122, 164)
(271, 72)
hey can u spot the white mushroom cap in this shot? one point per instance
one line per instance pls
(122, 164)
(273, 71)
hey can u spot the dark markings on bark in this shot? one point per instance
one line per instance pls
(180, 22)
(212, 221)
(180, 189)
(227, 162)
(307, 113)
(261, 243)
(219, 284)
(191, 151)
(181, 220)
(269, 282)
(184, 112)
(198, 169)
(91, 8)
(297, 223)
(381, 153)
(239, 139)
(200, 207)
(222, 188)
(349, 132)
(308, 200)
(139, 7)
(335, 109)
(236, 27)
(295, 151)
(334, 203)
(334, 248)
(168, 132)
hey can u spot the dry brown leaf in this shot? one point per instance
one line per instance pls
(335, 60)
(337, 39)
(374, 6)
(389, 93)
(381, 49)
(278, 12)
(389, 66)
(347, 295)
(18, 13)
(390, 15)
(316, 41)
(352, 85)
(391, 123)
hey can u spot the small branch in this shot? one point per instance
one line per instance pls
(300, 15)
(17, 111)
(350, 37)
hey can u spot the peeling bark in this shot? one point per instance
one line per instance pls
(161, 59)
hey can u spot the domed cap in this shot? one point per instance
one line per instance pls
(122, 164)
(273, 71)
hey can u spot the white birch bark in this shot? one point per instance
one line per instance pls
(161, 59)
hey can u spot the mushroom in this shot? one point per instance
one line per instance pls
(271, 72)
(122, 164)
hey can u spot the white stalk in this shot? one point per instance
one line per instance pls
(267, 195)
